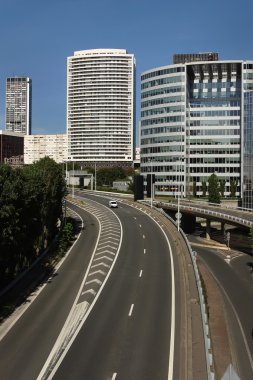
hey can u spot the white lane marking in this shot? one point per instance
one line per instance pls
(103, 264)
(113, 238)
(46, 366)
(92, 281)
(140, 225)
(135, 217)
(131, 310)
(145, 251)
(104, 246)
(10, 322)
(143, 236)
(172, 329)
(114, 376)
(90, 291)
(97, 272)
(103, 258)
(140, 273)
(103, 252)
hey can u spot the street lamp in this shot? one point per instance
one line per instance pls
(178, 201)
(151, 202)
(178, 214)
(151, 182)
(73, 194)
(95, 176)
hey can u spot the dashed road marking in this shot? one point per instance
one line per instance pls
(131, 310)
(140, 275)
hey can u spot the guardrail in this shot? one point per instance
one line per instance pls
(216, 214)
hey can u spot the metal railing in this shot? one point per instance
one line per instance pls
(220, 215)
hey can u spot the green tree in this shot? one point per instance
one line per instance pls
(129, 172)
(213, 189)
(106, 176)
(53, 192)
(222, 186)
(233, 187)
(30, 205)
(66, 237)
(11, 218)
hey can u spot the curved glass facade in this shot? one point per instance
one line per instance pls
(163, 126)
(247, 189)
(192, 125)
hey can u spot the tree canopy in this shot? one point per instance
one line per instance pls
(106, 176)
(213, 189)
(30, 205)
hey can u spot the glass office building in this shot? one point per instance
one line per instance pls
(247, 189)
(192, 126)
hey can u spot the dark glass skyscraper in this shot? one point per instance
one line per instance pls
(19, 105)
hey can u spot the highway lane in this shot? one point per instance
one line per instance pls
(236, 282)
(26, 346)
(127, 334)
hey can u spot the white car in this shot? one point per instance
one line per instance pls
(113, 204)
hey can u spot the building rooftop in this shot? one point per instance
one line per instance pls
(195, 57)
(9, 133)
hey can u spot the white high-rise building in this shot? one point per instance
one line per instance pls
(19, 105)
(40, 146)
(101, 107)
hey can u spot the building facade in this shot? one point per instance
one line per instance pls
(248, 150)
(19, 105)
(11, 148)
(101, 107)
(196, 120)
(40, 146)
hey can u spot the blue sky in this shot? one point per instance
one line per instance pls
(37, 36)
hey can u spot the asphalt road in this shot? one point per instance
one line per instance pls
(127, 334)
(27, 345)
(236, 282)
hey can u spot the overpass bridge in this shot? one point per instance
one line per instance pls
(190, 210)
